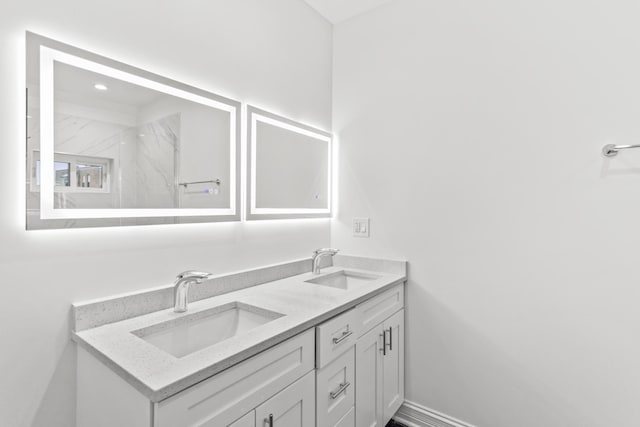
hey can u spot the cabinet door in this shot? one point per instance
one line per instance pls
(292, 407)
(369, 379)
(249, 420)
(393, 366)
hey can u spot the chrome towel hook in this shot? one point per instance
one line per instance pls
(611, 150)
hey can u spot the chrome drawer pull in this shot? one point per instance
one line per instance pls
(343, 337)
(269, 421)
(340, 390)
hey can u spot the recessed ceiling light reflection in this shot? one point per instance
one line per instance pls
(100, 86)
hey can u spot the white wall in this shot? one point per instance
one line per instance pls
(274, 54)
(470, 132)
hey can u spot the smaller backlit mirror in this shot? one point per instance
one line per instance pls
(109, 144)
(289, 165)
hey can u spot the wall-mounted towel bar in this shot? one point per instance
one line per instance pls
(213, 181)
(611, 150)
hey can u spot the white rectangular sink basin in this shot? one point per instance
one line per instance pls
(188, 334)
(343, 279)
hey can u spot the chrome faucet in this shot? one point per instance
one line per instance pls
(181, 288)
(318, 254)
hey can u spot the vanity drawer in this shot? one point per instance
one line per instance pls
(335, 336)
(335, 390)
(229, 395)
(378, 308)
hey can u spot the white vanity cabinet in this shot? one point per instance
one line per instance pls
(379, 359)
(278, 381)
(347, 371)
(360, 363)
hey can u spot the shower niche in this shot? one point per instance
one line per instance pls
(109, 144)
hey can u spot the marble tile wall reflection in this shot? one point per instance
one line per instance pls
(157, 155)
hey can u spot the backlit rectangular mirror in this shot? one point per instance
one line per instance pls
(289, 166)
(109, 144)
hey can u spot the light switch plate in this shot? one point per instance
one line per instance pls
(361, 227)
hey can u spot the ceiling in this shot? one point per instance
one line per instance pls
(340, 10)
(79, 83)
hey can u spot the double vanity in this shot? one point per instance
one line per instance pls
(276, 346)
(111, 144)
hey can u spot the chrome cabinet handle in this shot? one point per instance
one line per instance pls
(390, 338)
(346, 334)
(269, 421)
(341, 389)
(384, 342)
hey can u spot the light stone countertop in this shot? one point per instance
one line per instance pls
(159, 375)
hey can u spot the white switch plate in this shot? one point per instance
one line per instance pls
(361, 227)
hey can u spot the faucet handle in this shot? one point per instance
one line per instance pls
(331, 251)
(197, 275)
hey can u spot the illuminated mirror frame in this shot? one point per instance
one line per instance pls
(47, 51)
(255, 115)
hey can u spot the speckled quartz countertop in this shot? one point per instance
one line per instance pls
(159, 375)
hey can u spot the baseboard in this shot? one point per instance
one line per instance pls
(414, 415)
